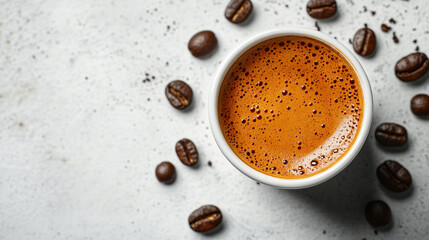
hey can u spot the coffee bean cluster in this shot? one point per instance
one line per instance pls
(409, 68)
(188, 155)
(391, 174)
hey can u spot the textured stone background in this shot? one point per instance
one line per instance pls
(82, 130)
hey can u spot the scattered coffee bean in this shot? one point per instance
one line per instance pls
(391, 134)
(238, 10)
(187, 152)
(364, 42)
(394, 176)
(202, 43)
(205, 218)
(321, 9)
(165, 172)
(420, 105)
(385, 28)
(392, 21)
(378, 213)
(210, 163)
(373, 13)
(179, 94)
(395, 38)
(412, 67)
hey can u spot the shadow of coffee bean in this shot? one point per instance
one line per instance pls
(394, 195)
(403, 148)
(216, 231)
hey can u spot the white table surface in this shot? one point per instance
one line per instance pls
(81, 133)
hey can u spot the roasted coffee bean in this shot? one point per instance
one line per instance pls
(238, 10)
(394, 176)
(391, 134)
(202, 43)
(187, 152)
(321, 9)
(165, 172)
(412, 67)
(179, 94)
(378, 213)
(420, 105)
(364, 42)
(205, 218)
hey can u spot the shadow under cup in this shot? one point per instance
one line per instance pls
(223, 133)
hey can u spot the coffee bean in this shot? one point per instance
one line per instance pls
(202, 43)
(187, 152)
(179, 94)
(205, 218)
(394, 176)
(378, 213)
(391, 134)
(420, 105)
(412, 67)
(165, 172)
(321, 9)
(364, 42)
(238, 10)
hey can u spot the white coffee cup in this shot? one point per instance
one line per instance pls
(281, 182)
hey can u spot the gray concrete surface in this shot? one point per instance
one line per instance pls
(81, 132)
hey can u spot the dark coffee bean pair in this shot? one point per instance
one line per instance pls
(205, 218)
(179, 94)
(321, 9)
(412, 67)
(188, 155)
(187, 152)
(394, 176)
(202, 43)
(420, 105)
(364, 42)
(391, 134)
(378, 213)
(238, 11)
(165, 172)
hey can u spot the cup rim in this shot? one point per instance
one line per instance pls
(283, 183)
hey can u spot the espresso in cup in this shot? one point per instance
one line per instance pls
(291, 106)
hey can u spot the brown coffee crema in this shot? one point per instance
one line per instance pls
(291, 107)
